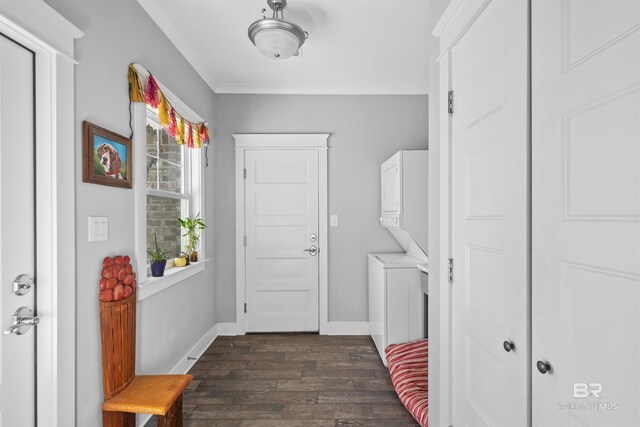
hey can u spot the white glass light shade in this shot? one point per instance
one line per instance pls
(276, 38)
(276, 43)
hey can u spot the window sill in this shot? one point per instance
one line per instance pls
(172, 276)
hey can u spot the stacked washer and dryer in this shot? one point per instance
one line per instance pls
(397, 302)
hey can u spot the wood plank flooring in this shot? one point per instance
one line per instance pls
(288, 380)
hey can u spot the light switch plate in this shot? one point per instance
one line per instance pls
(98, 228)
(334, 220)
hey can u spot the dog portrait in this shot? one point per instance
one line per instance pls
(106, 157)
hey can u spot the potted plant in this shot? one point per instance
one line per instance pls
(193, 227)
(158, 259)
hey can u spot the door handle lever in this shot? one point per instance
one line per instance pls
(22, 318)
(312, 250)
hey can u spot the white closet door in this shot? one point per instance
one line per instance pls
(586, 212)
(490, 219)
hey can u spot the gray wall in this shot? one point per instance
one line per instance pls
(365, 130)
(117, 33)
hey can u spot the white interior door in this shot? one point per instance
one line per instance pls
(586, 212)
(490, 219)
(17, 231)
(281, 208)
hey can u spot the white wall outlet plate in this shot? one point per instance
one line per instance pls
(334, 220)
(98, 228)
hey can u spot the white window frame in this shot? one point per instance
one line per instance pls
(194, 162)
(186, 196)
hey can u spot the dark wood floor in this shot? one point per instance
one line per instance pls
(288, 380)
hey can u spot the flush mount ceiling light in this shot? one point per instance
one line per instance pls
(274, 37)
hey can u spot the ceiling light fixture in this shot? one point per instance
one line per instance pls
(274, 37)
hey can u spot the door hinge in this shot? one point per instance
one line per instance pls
(450, 270)
(244, 240)
(245, 307)
(244, 173)
(450, 102)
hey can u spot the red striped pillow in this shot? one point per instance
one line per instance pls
(408, 367)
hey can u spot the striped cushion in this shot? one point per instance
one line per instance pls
(408, 366)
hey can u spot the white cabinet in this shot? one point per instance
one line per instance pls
(403, 197)
(396, 302)
(391, 185)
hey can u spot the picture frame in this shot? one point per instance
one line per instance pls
(106, 157)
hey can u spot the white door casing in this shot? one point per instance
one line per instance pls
(17, 229)
(586, 212)
(50, 36)
(281, 215)
(490, 188)
(301, 151)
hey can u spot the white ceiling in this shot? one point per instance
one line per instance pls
(354, 46)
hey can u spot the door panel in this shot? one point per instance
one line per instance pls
(490, 219)
(281, 196)
(17, 230)
(586, 217)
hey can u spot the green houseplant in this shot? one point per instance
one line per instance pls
(158, 259)
(193, 226)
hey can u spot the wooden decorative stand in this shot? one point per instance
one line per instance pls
(125, 393)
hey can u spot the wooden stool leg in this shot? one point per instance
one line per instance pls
(173, 418)
(118, 419)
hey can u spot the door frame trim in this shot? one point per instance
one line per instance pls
(307, 141)
(451, 28)
(40, 28)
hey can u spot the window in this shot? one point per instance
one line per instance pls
(171, 190)
(168, 187)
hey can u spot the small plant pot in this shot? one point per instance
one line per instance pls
(157, 268)
(194, 256)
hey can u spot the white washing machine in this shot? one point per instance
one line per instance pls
(396, 301)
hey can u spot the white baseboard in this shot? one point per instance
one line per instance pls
(227, 329)
(348, 328)
(186, 362)
(194, 353)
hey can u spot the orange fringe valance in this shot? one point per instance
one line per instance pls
(191, 134)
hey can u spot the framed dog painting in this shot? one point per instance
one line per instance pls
(106, 157)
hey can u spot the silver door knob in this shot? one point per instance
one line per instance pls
(23, 319)
(312, 250)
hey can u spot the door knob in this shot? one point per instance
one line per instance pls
(543, 367)
(312, 250)
(23, 318)
(313, 237)
(508, 346)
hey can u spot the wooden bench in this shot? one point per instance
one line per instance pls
(125, 393)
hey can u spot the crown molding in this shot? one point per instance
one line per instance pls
(166, 25)
(322, 89)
